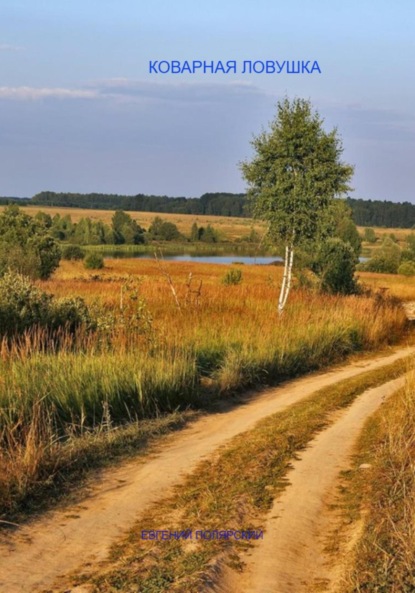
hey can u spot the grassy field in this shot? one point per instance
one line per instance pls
(168, 335)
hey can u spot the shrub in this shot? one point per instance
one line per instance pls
(23, 306)
(73, 252)
(407, 268)
(335, 265)
(25, 245)
(94, 261)
(232, 277)
(369, 235)
(386, 259)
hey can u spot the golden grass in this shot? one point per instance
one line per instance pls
(381, 499)
(402, 287)
(154, 350)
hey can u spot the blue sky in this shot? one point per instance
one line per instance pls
(80, 112)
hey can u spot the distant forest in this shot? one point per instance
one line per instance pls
(364, 212)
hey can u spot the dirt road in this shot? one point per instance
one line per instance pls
(292, 558)
(63, 540)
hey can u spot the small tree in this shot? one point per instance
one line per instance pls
(294, 176)
(26, 246)
(369, 235)
(335, 265)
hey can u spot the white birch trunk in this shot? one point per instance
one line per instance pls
(286, 281)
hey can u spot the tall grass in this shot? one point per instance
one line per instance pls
(383, 496)
(152, 353)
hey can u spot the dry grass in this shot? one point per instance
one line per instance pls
(402, 287)
(383, 498)
(150, 356)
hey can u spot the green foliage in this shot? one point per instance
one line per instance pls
(386, 259)
(89, 232)
(407, 255)
(208, 234)
(44, 219)
(73, 252)
(407, 268)
(94, 261)
(335, 265)
(232, 277)
(369, 235)
(295, 173)
(126, 230)
(344, 227)
(194, 233)
(161, 230)
(410, 241)
(23, 306)
(62, 227)
(26, 246)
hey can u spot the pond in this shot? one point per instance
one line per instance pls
(206, 258)
(203, 259)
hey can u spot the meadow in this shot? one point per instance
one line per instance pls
(168, 335)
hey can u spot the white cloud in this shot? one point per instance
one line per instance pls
(10, 47)
(24, 93)
(124, 90)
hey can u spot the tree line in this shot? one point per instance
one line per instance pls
(364, 212)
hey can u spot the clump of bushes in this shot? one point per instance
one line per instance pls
(73, 252)
(335, 266)
(23, 307)
(94, 261)
(407, 268)
(386, 259)
(26, 246)
(232, 277)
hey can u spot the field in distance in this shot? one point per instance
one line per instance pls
(229, 228)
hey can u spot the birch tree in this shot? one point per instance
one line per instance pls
(293, 177)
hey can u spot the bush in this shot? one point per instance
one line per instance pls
(369, 235)
(232, 277)
(73, 252)
(386, 259)
(25, 245)
(23, 306)
(94, 261)
(407, 268)
(335, 265)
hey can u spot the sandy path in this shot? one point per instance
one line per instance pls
(64, 540)
(291, 557)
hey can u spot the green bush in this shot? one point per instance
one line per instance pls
(232, 277)
(335, 265)
(369, 235)
(25, 245)
(73, 252)
(407, 268)
(385, 260)
(94, 261)
(23, 306)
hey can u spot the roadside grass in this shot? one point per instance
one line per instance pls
(381, 500)
(233, 490)
(41, 477)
